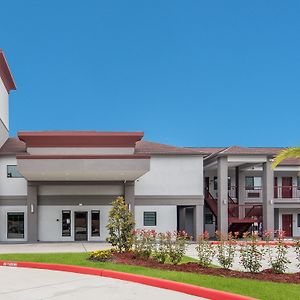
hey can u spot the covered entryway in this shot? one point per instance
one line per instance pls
(287, 224)
(81, 230)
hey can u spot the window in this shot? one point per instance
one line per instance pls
(66, 223)
(95, 222)
(15, 225)
(216, 183)
(149, 218)
(252, 183)
(12, 172)
(298, 220)
(298, 182)
(208, 219)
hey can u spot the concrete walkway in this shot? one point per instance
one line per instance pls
(33, 284)
(53, 247)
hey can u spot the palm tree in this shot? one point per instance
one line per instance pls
(286, 153)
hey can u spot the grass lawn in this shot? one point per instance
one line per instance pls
(253, 288)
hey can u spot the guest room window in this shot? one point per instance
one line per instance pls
(12, 172)
(216, 183)
(15, 225)
(95, 222)
(66, 223)
(149, 218)
(252, 183)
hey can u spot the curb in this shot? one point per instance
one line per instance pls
(146, 280)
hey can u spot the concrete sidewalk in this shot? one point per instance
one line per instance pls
(53, 247)
(34, 284)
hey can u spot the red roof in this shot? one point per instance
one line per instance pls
(145, 147)
(5, 73)
(80, 138)
(13, 146)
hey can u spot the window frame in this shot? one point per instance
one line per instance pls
(99, 228)
(7, 227)
(62, 224)
(19, 176)
(144, 215)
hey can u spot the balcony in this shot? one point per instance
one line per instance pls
(256, 193)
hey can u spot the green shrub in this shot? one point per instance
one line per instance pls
(144, 242)
(120, 226)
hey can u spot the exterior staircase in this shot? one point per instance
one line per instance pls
(252, 214)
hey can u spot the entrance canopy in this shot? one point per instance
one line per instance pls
(86, 156)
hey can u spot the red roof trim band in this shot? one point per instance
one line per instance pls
(81, 139)
(83, 156)
(5, 73)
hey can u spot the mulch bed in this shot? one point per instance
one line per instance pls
(191, 267)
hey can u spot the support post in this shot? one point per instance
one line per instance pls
(268, 197)
(129, 195)
(198, 220)
(223, 195)
(241, 190)
(32, 213)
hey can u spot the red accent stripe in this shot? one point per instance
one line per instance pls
(83, 139)
(5, 73)
(84, 156)
(155, 282)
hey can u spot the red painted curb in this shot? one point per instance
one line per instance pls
(151, 281)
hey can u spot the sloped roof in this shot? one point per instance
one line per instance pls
(13, 146)
(146, 147)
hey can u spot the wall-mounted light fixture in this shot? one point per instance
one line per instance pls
(31, 208)
(80, 204)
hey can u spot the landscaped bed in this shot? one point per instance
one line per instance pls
(259, 289)
(129, 258)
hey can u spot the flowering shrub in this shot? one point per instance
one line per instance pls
(160, 252)
(120, 225)
(143, 242)
(251, 255)
(226, 249)
(176, 245)
(297, 250)
(278, 259)
(102, 255)
(205, 250)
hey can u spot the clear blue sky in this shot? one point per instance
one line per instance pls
(195, 73)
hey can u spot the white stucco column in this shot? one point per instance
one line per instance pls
(241, 192)
(32, 213)
(129, 195)
(223, 195)
(268, 197)
(198, 220)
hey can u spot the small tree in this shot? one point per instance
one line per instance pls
(120, 225)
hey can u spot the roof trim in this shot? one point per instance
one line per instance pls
(82, 156)
(83, 139)
(6, 74)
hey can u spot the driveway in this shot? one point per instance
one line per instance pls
(33, 284)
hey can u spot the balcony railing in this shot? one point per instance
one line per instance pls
(280, 192)
(245, 211)
(286, 192)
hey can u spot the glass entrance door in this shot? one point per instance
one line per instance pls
(81, 232)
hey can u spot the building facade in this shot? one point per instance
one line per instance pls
(59, 185)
